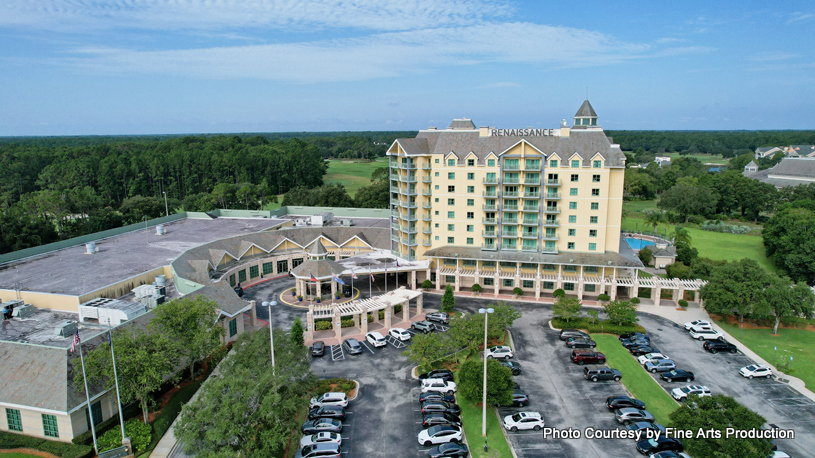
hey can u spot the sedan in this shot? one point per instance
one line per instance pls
(519, 399)
(433, 396)
(440, 407)
(756, 370)
(438, 317)
(680, 394)
(633, 335)
(438, 418)
(376, 339)
(631, 415)
(578, 342)
(399, 334)
(440, 434)
(635, 343)
(647, 428)
(671, 454)
(443, 374)
(677, 375)
(619, 402)
(650, 356)
(642, 350)
(320, 438)
(318, 348)
(352, 346)
(452, 449)
(651, 446)
(512, 366)
(566, 334)
(330, 425)
(327, 412)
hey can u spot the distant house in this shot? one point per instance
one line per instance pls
(791, 171)
(767, 151)
(751, 167)
(663, 255)
(800, 151)
(663, 161)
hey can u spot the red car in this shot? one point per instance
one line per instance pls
(582, 357)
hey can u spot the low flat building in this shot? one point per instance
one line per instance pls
(791, 171)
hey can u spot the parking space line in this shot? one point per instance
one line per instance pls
(336, 353)
(395, 342)
(365, 344)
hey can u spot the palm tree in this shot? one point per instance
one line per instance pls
(653, 218)
(681, 234)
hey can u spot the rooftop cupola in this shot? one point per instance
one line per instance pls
(585, 116)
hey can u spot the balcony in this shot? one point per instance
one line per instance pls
(510, 194)
(394, 201)
(532, 181)
(552, 196)
(395, 238)
(529, 235)
(490, 180)
(529, 209)
(409, 230)
(412, 242)
(426, 192)
(549, 250)
(511, 180)
(426, 218)
(490, 194)
(411, 179)
(509, 235)
(488, 247)
(532, 195)
(426, 180)
(489, 234)
(509, 221)
(426, 166)
(551, 223)
(530, 222)
(426, 206)
(529, 248)
(551, 210)
(425, 230)
(411, 205)
(553, 183)
(426, 242)
(553, 238)
(488, 220)
(512, 167)
(509, 247)
(407, 166)
(531, 167)
(489, 207)
(510, 208)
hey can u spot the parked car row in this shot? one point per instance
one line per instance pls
(321, 433)
(441, 416)
(631, 413)
(584, 353)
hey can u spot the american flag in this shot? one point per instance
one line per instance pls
(397, 263)
(354, 276)
(75, 342)
(372, 276)
(313, 278)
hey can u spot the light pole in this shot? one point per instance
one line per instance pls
(271, 335)
(486, 313)
(166, 209)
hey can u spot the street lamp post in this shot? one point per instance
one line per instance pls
(271, 335)
(486, 313)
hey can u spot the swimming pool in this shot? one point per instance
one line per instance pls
(637, 244)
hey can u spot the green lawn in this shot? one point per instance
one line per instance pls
(17, 455)
(471, 420)
(352, 174)
(635, 206)
(703, 158)
(798, 343)
(638, 382)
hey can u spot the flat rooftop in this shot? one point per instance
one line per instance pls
(71, 271)
(39, 328)
(336, 221)
(378, 261)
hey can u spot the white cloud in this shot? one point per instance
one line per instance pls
(83, 15)
(798, 17)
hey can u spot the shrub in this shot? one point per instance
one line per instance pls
(138, 432)
(476, 288)
(683, 303)
(61, 449)
(600, 326)
(593, 316)
(322, 325)
(517, 291)
(719, 226)
(645, 255)
(634, 300)
(163, 421)
(347, 323)
(604, 297)
(693, 219)
(130, 411)
(448, 301)
(559, 293)
(427, 284)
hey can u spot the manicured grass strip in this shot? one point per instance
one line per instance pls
(471, 420)
(798, 343)
(638, 382)
(17, 455)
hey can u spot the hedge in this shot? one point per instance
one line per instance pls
(601, 326)
(61, 449)
(130, 411)
(164, 419)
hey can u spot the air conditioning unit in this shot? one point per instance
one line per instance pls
(65, 329)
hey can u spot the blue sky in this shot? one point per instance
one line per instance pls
(77, 67)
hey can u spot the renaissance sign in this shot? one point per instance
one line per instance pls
(522, 132)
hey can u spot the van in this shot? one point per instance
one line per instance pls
(329, 399)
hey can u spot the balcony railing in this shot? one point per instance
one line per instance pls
(530, 222)
(552, 196)
(488, 247)
(509, 235)
(532, 195)
(527, 235)
(509, 247)
(410, 230)
(426, 230)
(426, 242)
(411, 179)
(551, 210)
(510, 208)
(529, 248)
(512, 167)
(532, 181)
(510, 194)
(551, 223)
(407, 166)
(509, 221)
(492, 207)
(426, 218)
(490, 180)
(511, 180)
(426, 206)
(552, 238)
(553, 183)
(426, 180)
(529, 209)
(412, 242)
(411, 205)
(488, 220)
(426, 192)
(489, 233)
(549, 250)
(426, 166)
(490, 193)
(531, 167)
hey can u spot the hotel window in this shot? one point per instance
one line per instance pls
(592, 232)
(15, 422)
(575, 164)
(436, 187)
(451, 227)
(449, 278)
(469, 263)
(532, 164)
(528, 284)
(592, 247)
(471, 176)
(470, 215)
(572, 191)
(572, 205)
(595, 178)
(470, 228)
(470, 189)
(451, 175)
(254, 272)
(593, 220)
(451, 189)
(490, 264)
(553, 163)
(570, 246)
(572, 232)
(451, 215)
(282, 266)
(574, 178)
(437, 225)
(296, 262)
(437, 237)
(549, 267)
(572, 218)
(596, 164)
(591, 269)
(469, 240)
(595, 205)
(470, 202)
(451, 162)
(49, 425)
(568, 286)
(528, 265)
(451, 201)
(470, 162)
(595, 192)
(508, 282)
(268, 268)
(450, 240)
(548, 285)
(490, 162)
(437, 200)
(437, 213)
(489, 281)
(242, 276)
(437, 173)
(570, 268)
(437, 161)
(590, 288)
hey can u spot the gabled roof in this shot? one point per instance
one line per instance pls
(412, 146)
(585, 110)
(523, 140)
(317, 249)
(222, 294)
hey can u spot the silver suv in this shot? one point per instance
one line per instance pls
(660, 365)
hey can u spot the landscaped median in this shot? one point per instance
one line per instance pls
(635, 378)
(471, 416)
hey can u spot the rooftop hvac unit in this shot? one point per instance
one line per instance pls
(300, 222)
(90, 248)
(322, 219)
(65, 329)
(23, 311)
(160, 230)
(110, 311)
(347, 222)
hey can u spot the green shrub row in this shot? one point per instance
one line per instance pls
(344, 384)
(600, 326)
(61, 449)
(136, 430)
(130, 411)
(163, 421)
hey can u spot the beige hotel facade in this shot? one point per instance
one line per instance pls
(538, 209)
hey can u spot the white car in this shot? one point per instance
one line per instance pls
(438, 385)
(693, 323)
(440, 434)
(701, 327)
(650, 357)
(756, 370)
(523, 420)
(706, 335)
(680, 394)
(499, 352)
(399, 334)
(320, 438)
(376, 339)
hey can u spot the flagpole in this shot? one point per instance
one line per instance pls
(386, 280)
(397, 275)
(370, 283)
(116, 378)
(352, 284)
(88, 397)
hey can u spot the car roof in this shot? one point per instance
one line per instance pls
(629, 410)
(375, 334)
(530, 414)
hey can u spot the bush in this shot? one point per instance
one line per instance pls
(61, 449)
(694, 219)
(600, 326)
(163, 421)
(476, 288)
(517, 291)
(130, 411)
(448, 301)
(634, 300)
(645, 255)
(138, 432)
(683, 303)
(718, 226)
(427, 284)
(559, 293)
(604, 297)
(342, 384)
(322, 325)
(347, 323)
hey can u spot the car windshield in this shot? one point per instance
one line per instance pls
(686, 390)
(517, 417)
(652, 442)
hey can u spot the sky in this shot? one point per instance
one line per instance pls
(104, 67)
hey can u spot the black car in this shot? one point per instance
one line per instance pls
(450, 449)
(651, 446)
(580, 342)
(642, 350)
(512, 365)
(677, 375)
(632, 335)
(647, 427)
(318, 348)
(618, 402)
(438, 317)
(715, 346)
(331, 425)
(238, 290)
(440, 418)
(443, 374)
(352, 346)
(327, 412)
(519, 399)
(436, 396)
(628, 343)
(566, 334)
(440, 407)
